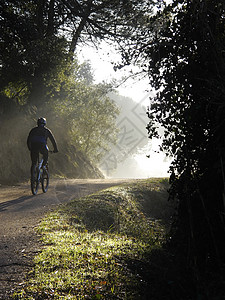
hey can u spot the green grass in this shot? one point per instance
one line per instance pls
(94, 247)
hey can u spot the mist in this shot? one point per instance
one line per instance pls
(15, 156)
(133, 167)
(128, 159)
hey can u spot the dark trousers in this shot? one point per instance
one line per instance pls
(37, 148)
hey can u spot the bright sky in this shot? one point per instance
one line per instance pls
(137, 166)
(103, 71)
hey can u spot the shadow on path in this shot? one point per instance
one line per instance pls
(7, 204)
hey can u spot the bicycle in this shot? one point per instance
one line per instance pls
(39, 175)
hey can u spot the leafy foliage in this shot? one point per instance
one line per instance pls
(90, 118)
(186, 64)
(84, 124)
(39, 38)
(39, 71)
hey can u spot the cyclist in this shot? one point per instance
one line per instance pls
(37, 142)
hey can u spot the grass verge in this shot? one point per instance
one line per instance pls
(97, 247)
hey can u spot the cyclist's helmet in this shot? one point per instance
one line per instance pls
(41, 122)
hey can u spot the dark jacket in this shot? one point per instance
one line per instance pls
(40, 135)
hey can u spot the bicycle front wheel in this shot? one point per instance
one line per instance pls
(34, 181)
(45, 180)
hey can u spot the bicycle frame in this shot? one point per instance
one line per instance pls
(40, 162)
(39, 175)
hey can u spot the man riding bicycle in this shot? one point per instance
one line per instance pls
(37, 142)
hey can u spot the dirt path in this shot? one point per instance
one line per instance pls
(20, 213)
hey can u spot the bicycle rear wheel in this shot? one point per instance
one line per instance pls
(34, 181)
(45, 180)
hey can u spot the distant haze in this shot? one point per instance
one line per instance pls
(133, 164)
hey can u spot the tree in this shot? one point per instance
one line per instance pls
(183, 53)
(186, 64)
(39, 37)
(30, 51)
(89, 116)
(38, 62)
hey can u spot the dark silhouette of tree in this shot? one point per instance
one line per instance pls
(185, 59)
(39, 39)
